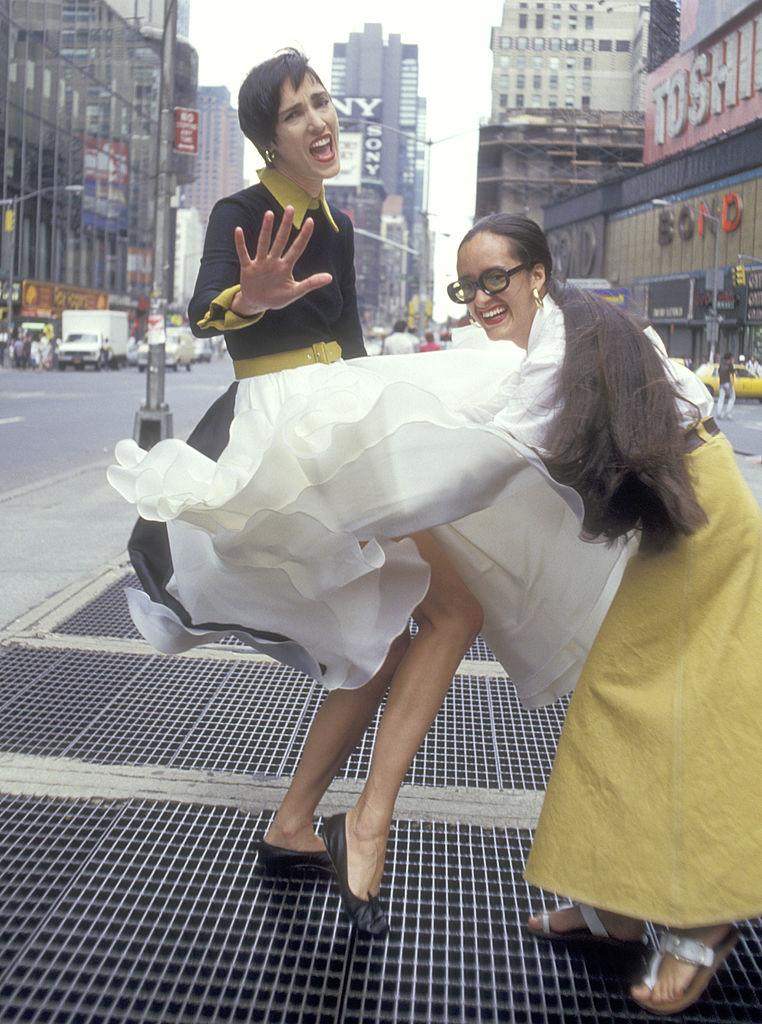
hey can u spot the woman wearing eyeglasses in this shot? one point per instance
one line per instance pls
(295, 515)
(652, 808)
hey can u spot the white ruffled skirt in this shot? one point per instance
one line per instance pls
(298, 531)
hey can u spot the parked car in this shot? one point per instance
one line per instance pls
(746, 384)
(203, 350)
(179, 350)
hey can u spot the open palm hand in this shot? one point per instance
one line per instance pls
(267, 280)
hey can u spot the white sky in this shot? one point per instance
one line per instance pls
(455, 64)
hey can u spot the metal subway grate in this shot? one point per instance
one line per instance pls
(107, 615)
(247, 716)
(171, 920)
(168, 918)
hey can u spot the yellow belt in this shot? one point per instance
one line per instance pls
(320, 352)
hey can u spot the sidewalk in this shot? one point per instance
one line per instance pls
(136, 787)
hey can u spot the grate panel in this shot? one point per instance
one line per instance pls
(161, 914)
(458, 951)
(249, 716)
(174, 922)
(43, 846)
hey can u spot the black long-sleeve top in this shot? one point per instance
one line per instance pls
(324, 314)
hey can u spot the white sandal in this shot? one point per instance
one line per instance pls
(595, 931)
(689, 951)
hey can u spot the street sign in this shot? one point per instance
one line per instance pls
(186, 130)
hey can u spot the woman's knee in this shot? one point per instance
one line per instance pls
(456, 611)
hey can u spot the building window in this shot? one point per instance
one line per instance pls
(571, 64)
(552, 101)
(587, 83)
(539, 21)
(555, 22)
(522, 43)
(537, 81)
(503, 99)
(520, 81)
(604, 46)
(588, 44)
(588, 63)
(536, 99)
(519, 99)
(523, 20)
(538, 62)
(572, 22)
(553, 62)
(554, 43)
(623, 46)
(589, 20)
(521, 62)
(553, 82)
(585, 102)
(572, 44)
(539, 43)
(506, 42)
(569, 101)
(503, 81)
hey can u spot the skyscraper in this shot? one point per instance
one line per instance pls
(375, 84)
(219, 165)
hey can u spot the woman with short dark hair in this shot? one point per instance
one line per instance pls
(652, 808)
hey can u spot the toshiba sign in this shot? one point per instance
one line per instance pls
(701, 93)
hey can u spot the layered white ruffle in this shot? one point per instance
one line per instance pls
(292, 530)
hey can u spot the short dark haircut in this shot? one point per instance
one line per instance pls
(259, 95)
(400, 326)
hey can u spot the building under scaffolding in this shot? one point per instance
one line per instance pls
(542, 154)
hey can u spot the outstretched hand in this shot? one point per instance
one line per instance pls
(267, 281)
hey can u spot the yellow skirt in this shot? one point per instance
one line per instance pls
(654, 806)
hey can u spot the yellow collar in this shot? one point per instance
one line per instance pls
(288, 193)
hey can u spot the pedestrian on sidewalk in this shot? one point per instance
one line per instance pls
(298, 512)
(651, 811)
(400, 342)
(726, 396)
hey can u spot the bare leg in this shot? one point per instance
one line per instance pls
(449, 618)
(336, 730)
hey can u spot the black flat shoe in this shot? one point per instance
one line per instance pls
(366, 915)
(278, 860)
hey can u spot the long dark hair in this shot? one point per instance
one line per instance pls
(617, 438)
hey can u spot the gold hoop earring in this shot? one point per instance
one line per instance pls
(537, 298)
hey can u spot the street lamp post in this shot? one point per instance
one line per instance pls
(14, 202)
(153, 420)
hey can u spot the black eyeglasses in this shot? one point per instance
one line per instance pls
(492, 281)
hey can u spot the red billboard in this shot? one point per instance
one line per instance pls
(186, 130)
(704, 92)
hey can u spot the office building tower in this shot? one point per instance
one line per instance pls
(375, 84)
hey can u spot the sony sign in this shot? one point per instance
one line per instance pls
(701, 93)
(364, 113)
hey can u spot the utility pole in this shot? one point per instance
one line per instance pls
(153, 421)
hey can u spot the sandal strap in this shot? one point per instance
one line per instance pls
(593, 921)
(689, 951)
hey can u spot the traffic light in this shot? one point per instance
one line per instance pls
(739, 275)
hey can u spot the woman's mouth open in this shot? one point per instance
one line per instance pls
(493, 316)
(323, 149)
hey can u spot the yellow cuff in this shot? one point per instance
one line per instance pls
(221, 316)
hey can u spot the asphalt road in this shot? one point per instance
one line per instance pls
(53, 423)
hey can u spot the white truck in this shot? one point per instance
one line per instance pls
(93, 337)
